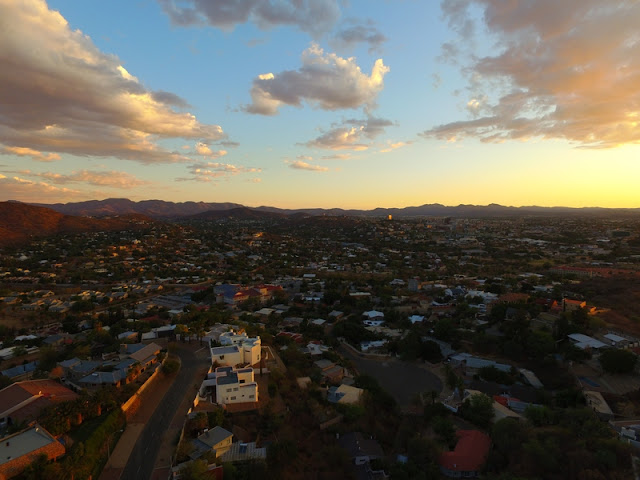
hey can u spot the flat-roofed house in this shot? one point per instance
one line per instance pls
(19, 450)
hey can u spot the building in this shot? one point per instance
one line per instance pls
(469, 456)
(236, 349)
(585, 342)
(23, 401)
(330, 372)
(217, 440)
(344, 394)
(19, 450)
(235, 386)
(360, 448)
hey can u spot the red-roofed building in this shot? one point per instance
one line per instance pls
(469, 456)
(23, 401)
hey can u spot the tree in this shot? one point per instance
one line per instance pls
(478, 409)
(196, 470)
(540, 416)
(444, 330)
(618, 361)
(443, 427)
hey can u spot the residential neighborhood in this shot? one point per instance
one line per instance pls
(411, 348)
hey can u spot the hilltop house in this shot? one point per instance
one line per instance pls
(237, 349)
(235, 386)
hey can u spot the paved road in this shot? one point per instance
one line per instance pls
(142, 460)
(401, 379)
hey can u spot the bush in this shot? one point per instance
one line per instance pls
(170, 366)
(618, 361)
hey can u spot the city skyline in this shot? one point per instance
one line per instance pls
(332, 105)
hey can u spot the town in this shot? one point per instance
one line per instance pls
(324, 347)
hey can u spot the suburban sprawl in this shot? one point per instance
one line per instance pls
(324, 347)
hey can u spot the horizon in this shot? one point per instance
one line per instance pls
(492, 204)
(351, 105)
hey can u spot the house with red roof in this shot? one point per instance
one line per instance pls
(469, 456)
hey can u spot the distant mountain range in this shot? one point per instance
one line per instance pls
(20, 223)
(160, 209)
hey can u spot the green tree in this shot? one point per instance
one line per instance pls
(478, 409)
(443, 427)
(196, 470)
(618, 361)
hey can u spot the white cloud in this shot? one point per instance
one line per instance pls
(21, 189)
(563, 70)
(113, 179)
(352, 134)
(69, 97)
(354, 32)
(391, 146)
(325, 80)
(340, 138)
(209, 171)
(312, 16)
(302, 165)
(205, 150)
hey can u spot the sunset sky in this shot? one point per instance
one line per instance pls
(321, 103)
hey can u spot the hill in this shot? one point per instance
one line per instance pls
(20, 222)
(161, 209)
(240, 213)
(150, 208)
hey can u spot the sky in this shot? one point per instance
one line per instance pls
(321, 103)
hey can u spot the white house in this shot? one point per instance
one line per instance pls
(374, 315)
(235, 386)
(236, 350)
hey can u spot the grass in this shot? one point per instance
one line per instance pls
(82, 433)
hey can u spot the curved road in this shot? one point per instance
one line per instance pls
(142, 459)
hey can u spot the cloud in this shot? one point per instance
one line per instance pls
(301, 165)
(372, 127)
(113, 179)
(205, 150)
(352, 134)
(391, 146)
(29, 152)
(354, 32)
(66, 96)
(208, 171)
(338, 156)
(562, 70)
(17, 188)
(340, 138)
(325, 80)
(170, 99)
(312, 16)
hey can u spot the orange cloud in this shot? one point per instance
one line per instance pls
(81, 101)
(569, 71)
(34, 154)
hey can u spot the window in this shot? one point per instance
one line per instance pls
(228, 390)
(252, 396)
(232, 398)
(221, 357)
(235, 389)
(242, 381)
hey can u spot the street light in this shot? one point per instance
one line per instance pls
(109, 443)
